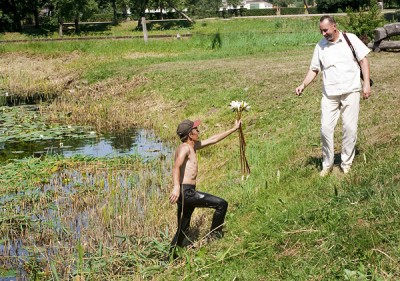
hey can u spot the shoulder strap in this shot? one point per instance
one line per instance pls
(355, 56)
(351, 46)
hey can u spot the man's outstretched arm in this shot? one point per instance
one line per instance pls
(218, 137)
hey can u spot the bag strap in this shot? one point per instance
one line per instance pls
(351, 47)
(355, 56)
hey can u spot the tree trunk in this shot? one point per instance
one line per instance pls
(76, 21)
(180, 12)
(17, 26)
(60, 28)
(305, 4)
(115, 17)
(161, 10)
(142, 12)
(36, 16)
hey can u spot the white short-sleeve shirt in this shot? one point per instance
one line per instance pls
(340, 71)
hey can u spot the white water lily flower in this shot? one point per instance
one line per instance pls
(245, 106)
(235, 105)
(239, 106)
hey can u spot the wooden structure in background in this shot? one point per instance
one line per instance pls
(144, 26)
(382, 35)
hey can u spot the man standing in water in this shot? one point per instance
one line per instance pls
(341, 89)
(184, 174)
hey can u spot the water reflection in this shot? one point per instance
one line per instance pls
(141, 142)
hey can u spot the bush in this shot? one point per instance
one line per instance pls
(167, 25)
(334, 6)
(364, 22)
(313, 10)
(292, 11)
(392, 17)
(102, 17)
(201, 14)
(6, 22)
(260, 12)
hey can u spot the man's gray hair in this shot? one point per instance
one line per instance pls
(329, 18)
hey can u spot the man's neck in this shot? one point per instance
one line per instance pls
(337, 36)
(190, 142)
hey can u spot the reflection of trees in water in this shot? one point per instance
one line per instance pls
(123, 141)
(120, 141)
(22, 149)
(33, 99)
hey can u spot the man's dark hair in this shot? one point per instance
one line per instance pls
(329, 18)
(185, 138)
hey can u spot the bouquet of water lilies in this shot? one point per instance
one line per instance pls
(239, 107)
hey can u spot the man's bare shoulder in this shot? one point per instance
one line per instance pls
(183, 149)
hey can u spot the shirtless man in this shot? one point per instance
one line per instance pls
(184, 174)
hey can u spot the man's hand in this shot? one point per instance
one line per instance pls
(173, 198)
(310, 76)
(238, 123)
(366, 91)
(299, 90)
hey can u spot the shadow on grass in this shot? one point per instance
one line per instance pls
(317, 161)
(41, 31)
(88, 29)
(84, 29)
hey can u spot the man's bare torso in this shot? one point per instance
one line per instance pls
(188, 171)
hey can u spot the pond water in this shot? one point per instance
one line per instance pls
(24, 132)
(140, 142)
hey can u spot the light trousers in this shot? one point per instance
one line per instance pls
(347, 105)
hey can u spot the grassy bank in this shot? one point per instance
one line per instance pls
(284, 222)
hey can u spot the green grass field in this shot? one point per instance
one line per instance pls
(284, 222)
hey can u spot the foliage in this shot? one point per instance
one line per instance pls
(5, 22)
(282, 3)
(259, 12)
(390, 4)
(364, 22)
(203, 7)
(292, 11)
(75, 9)
(334, 6)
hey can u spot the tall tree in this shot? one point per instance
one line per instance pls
(75, 10)
(139, 8)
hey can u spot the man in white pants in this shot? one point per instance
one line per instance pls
(341, 89)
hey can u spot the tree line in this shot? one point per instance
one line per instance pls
(13, 13)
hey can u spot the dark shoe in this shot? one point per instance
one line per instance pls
(174, 253)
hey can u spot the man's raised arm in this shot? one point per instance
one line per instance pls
(218, 137)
